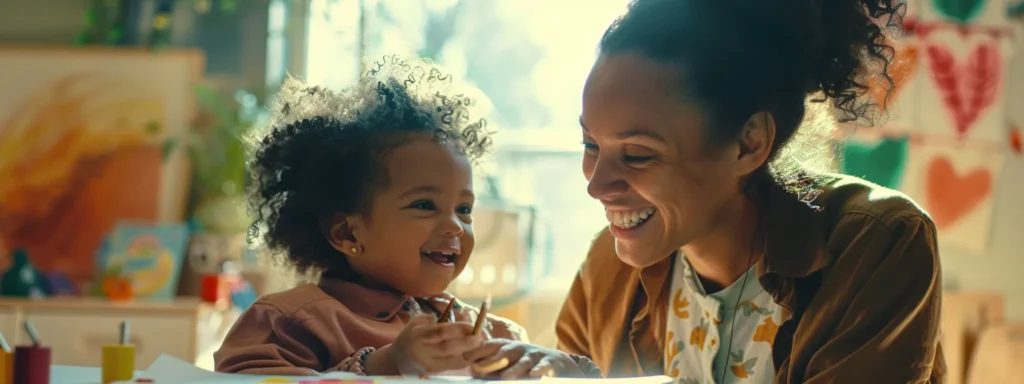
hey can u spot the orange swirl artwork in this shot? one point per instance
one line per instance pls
(79, 151)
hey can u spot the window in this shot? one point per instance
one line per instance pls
(530, 57)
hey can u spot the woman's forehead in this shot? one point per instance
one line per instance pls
(627, 92)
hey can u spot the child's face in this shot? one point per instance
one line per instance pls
(418, 234)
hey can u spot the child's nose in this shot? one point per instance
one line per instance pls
(453, 226)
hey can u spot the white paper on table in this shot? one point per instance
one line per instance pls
(167, 369)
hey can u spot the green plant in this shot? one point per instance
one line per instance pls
(217, 148)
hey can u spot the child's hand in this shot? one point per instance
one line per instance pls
(521, 360)
(425, 346)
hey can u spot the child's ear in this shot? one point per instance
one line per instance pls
(341, 233)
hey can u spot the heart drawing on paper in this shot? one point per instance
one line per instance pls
(902, 68)
(967, 89)
(950, 197)
(960, 11)
(881, 163)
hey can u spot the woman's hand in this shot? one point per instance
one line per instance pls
(425, 346)
(508, 359)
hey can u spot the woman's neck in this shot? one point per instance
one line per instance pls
(725, 253)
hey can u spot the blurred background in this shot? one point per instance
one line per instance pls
(122, 174)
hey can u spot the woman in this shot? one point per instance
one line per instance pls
(727, 258)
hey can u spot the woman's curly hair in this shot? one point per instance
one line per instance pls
(323, 153)
(739, 57)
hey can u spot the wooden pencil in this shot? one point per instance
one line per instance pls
(447, 314)
(486, 306)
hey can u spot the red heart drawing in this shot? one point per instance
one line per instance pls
(950, 196)
(968, 89)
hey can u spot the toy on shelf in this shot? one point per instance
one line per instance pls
(115, 286)
(150, 255)
(6, 362)
(119, 359)
(60, 284)
(33, 361)
(23, 279)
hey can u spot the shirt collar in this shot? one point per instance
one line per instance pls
(796, 225)
(377, 304)
(795, 220)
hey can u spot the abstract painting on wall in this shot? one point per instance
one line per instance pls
(89, 137)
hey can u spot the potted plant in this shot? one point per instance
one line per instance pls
(218, 154)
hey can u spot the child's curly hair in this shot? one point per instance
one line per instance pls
(323, 152)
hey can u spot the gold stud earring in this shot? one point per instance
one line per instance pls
(354, 250)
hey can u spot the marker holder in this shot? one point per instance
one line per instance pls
(118, 363)
(6, 367)
(33, 364)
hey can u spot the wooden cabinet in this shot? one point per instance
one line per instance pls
(76, 329)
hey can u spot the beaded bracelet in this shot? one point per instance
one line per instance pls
(356, 363)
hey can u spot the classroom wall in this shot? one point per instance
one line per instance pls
(1002, 267)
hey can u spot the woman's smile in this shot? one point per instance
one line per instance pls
(627, 223)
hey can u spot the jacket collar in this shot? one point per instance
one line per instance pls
(380, 305)
(795, 219)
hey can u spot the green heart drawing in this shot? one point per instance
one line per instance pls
(881, 163)
(961, 11)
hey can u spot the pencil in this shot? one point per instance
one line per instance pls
(444, 317)
(486, 306)
(30, 329)
(123, 332)
(3, 344)
(488, 369)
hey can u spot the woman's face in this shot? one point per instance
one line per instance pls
(647, 160)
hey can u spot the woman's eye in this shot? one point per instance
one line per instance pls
(636, 159)
(464, 209)
(423, 205)
(589, 147)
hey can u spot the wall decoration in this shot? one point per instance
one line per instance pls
(967, 13)
(960, 11)
(881, 162)
(968, 88)
(900, 71)
(1015, 141)
(955, 183)
(965, 88)
(90, 138)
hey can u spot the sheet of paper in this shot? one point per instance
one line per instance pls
(168, 369)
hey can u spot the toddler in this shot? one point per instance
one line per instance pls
(372, 189)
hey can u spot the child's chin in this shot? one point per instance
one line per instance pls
(430, 289)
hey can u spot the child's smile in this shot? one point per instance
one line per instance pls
(425, 209)
(444, 257)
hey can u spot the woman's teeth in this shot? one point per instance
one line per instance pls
(629, 219)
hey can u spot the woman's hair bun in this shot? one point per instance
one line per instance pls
(848, 44)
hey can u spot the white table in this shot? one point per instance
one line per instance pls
(66, 374)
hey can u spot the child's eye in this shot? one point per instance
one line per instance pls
(464, 209)
(425, 205)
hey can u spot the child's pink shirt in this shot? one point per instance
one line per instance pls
(327, 327)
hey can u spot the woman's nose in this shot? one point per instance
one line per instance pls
(606, 181)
